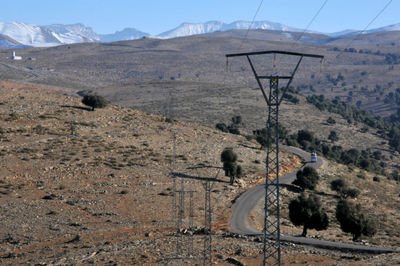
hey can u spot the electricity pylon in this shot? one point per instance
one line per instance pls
(273, 98)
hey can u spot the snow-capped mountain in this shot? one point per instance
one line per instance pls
(7, 42)
(264, 25)
(72, 33)
(186, 29)
(125, 34)
(58, 34)
(393, 27)
(28, 34)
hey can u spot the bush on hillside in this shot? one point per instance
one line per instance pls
(308, 211)
(94, 101)
(353, 220)
(307, 178)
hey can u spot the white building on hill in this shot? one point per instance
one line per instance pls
(15, 57)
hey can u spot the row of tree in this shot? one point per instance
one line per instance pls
(388, 129)
(306, 210)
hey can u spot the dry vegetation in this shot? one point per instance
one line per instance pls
(81, 187)
(127, 70)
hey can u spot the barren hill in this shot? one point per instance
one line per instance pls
(103, 176)
(94, 187)
(360, 70)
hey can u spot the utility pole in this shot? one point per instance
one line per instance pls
(273, 97)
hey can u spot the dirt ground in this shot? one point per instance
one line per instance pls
(83, 187)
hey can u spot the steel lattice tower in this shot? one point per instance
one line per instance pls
(208, 183)
(273, 98)
(207, 253)
(178, 200)
(271, 207)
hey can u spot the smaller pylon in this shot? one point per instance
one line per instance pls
(208, 184)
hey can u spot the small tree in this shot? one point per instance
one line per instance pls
(233, 128)
(350, 156)
(237, 120)
(308, 212)
(333, 136)
(352, 220)
(331, 121)
(222, 126)
(343, 189)
(304, 135)
(94, 101)
(338, 185)
(262, 135)
(229, 158)
(307, 178)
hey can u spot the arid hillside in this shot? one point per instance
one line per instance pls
(362, 71)
(81, 187)
(76, 183)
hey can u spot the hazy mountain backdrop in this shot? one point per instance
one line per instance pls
(57, 34)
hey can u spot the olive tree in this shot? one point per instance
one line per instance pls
(353, 220)
(306, 178)
(230, 166)
(308, 212)
(343, 189)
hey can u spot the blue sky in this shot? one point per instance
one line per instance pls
(156, 16)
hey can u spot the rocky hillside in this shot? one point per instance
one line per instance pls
(79, 186)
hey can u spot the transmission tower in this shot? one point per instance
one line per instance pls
(208, 213)
(273, 97)
(178, 201)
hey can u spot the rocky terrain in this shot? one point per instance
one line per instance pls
(83, 187)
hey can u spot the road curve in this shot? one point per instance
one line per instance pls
(247, 201)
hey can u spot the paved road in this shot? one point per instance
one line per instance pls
(245, 204)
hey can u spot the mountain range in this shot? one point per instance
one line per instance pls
(19, 35)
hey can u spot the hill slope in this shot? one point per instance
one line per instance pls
(364, 75)
(103, 176)
(94, 187)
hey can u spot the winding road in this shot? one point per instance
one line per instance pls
(246, 203)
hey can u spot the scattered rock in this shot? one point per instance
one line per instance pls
(10, 255)
(220, 256)
(75, 224)
(76, 239)
(49, 197)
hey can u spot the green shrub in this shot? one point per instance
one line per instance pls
(331, 121)
(353, 220)
(333, 136)
(307, 178)
(231, 168)
(307, 211)
(94, 101)
(338, 185)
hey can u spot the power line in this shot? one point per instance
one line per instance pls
(251, 24)
(312, 20)
(366, 27)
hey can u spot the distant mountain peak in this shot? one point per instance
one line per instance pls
(187, 29)
(125, 34)
(58, 34)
